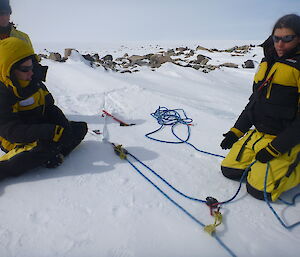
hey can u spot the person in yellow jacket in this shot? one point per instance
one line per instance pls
(7, 29)
(274, 112)
(33, 130)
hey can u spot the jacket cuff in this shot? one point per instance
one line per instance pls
(237, 132)
(272, 150)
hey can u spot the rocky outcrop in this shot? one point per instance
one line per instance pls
(181, 56)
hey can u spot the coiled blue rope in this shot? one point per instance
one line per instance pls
(166, 117)
(270, 206)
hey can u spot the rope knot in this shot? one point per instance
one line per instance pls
(212, 203)
(120, 151)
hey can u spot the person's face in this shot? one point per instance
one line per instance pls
(4, 18)
(24, 71)
(285, 40)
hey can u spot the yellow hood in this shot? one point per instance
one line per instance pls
(12, 50)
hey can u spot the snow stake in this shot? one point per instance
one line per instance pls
(122, 123)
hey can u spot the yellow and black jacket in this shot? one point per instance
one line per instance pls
(27, 112)
(21, 35)
(11, 31)
(273, 107)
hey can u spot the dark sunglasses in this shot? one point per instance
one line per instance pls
(25, 68)
(285, 39)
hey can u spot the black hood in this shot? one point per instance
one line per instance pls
(270, 52)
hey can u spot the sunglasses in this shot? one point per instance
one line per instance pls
(285, 39)
(25, 68)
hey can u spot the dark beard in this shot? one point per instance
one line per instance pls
(5, 30)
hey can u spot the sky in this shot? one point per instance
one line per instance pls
(148, 20)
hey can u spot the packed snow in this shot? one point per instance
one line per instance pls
(96, 204)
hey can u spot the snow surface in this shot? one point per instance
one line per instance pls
(96, 204)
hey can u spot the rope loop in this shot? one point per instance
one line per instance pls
(167, 117)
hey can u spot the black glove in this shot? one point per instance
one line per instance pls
(265, 155)
(229, 140)
(55, 161)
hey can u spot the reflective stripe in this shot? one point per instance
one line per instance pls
(239, 156)
(293, 166)
(237, 132)
(17, 150)
(272, 150)
(58, 133)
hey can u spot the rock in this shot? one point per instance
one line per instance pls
(249, 64)
(148, 56)
(211, 67)
(171, 52)
(181, 49)
(157, 60)
(43, 56)
(142, 62)
(229, 65)
(202, 48)
(190, 54)
(88, 57)
(197, 66)
(96, 57)
(55, 57)
(126, 71)
(243, 48)
(135, 58)
(202, 59)
(107, 57)
(109, 65)
(239, 49)
(68, 52)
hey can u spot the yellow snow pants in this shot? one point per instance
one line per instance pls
(284, 171)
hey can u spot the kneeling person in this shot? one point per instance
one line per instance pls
(274, 111)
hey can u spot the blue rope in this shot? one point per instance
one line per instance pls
(166, 117)
(166, 182)
(189, 197)
(270, 206)
(181, 208)
(240, 185)
(293, 200)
